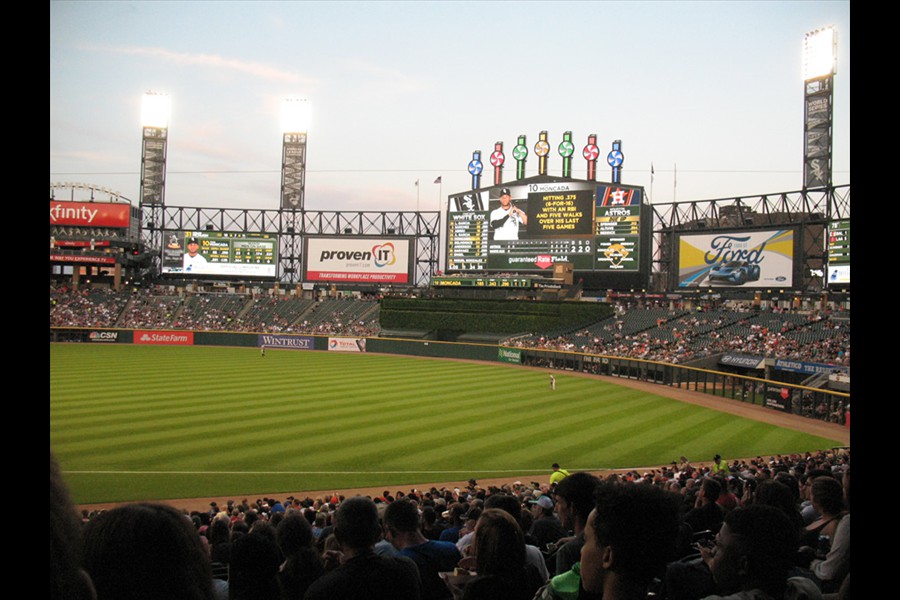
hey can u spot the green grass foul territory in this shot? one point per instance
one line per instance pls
(151, 422)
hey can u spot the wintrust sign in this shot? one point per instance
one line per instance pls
(90, 214)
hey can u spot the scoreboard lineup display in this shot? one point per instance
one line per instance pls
(594, 226)
(839, 253)
(221, 253)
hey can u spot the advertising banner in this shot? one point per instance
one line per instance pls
(358, 260)
(509, 355)
(748, 259)
(90, 214)
(164, 338)
(83, 258)
(743, 360)
(103, 336)
(778, 397)
(347, 344)
(809, 368)
(292, 342)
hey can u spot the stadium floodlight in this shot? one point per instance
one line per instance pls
(294, 127)
(820, 53)
(295, 115)
(155, 110)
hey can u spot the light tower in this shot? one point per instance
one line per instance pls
(294, 126)
(155, 110)
(819, 67)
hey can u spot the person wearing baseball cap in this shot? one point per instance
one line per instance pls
(546, 529)
(506, 218)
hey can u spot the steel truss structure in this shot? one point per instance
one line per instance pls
(293, 226)
(811, 211)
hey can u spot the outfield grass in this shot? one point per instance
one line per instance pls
(149, 422)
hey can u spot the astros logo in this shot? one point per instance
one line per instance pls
(384, 255)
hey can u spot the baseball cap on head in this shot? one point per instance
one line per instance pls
(505, 192)
(193, 240)
(543, 502)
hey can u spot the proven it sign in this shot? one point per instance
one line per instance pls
(358, 260)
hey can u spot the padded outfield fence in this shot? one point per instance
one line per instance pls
(816, 403)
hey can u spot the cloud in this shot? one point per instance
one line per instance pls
(215, 61)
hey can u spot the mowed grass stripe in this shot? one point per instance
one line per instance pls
(226, 410)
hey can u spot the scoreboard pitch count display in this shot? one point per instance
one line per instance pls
(594, 226)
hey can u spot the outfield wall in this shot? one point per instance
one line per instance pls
(816, 403)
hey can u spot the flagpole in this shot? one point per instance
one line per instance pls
(651, 182)
(417, 195)
(675, 184)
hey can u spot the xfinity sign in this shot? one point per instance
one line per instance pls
(90, 214)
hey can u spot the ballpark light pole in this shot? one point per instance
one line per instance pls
(295, 128)
(819, 68)
(155, 110)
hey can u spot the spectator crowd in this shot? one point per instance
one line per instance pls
(742, 530)
(643, 333)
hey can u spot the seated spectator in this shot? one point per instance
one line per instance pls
(546, 528)
(401, 521)
(707, 514)
(361, 573)
(753, 555)
(302, 562)
(500, 563)
(146, 550)
(574, 502)
(629, 537)
(253, 572)
(68, 581)
(834, 567)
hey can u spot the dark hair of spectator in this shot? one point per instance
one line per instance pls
(356, 523)
(146, 550)
(828, 493)
(769, 541)
(402, 515)
(67, 580)
(712, 488)
(505, 502)
(774, 493)
(578, 490)
(499, 544)
(641, 523)
(253, 572)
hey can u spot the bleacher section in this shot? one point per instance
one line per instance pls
(661, 334)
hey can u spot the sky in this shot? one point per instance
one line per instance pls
(709, 94)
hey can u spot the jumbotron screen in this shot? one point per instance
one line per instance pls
(839, 253)
(749, 259)
(531, 226)
(220, 253)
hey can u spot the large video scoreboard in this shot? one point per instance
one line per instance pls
(839, 253)
(529, 226)
(220, 253)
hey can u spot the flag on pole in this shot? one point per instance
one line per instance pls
(417, 183)
(438, 180)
